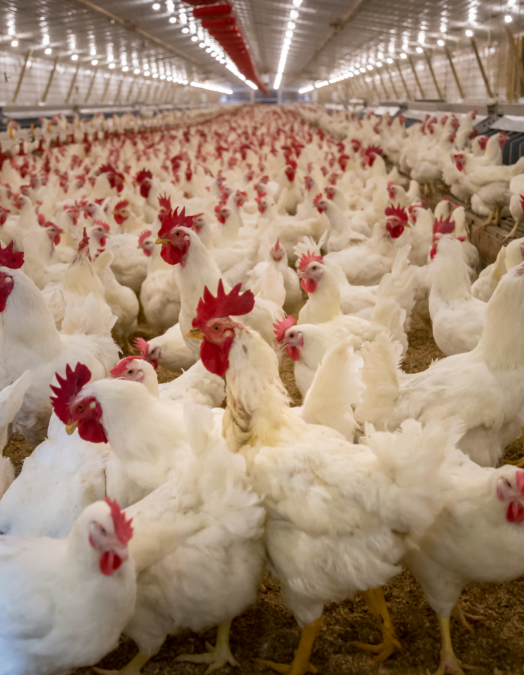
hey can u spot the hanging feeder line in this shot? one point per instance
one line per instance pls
(217, 20)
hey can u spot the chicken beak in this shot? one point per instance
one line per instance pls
(195, 333)
(161, 241)
(70, 428)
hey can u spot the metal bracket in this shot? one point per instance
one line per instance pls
(457, 81)
(22, 73)
(49, 81)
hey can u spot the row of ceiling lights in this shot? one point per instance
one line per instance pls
(354, 71)
(290, 27)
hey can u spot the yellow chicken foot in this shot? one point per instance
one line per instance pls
(132, 668)
(217, 656)
(390, 643)
(488, 221)
(300, 665)
(462, 616)
(448, 661)
(510, 234)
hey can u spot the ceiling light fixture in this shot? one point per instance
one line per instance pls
(278, 80)
(156, 6)
(324, 83)
(125, 69)
(172, 19)
(508, 18)
(94, 62)
(403, 55)
(111, 65)
(194, 38)
(251, 84)
(185, 29)
(74, 57)
(390, 61)
(293, 14)
(297, 3)
(48, 50)
(305, 90)
(440, 43)
(210, 87)
(469, 33)
(136, 71)
(291, 25)
(14, 43)
(419, 50)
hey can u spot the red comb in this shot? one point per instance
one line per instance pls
(318, 198)
(443, 226)
(41, 219)
(280, 327)
(225, 304)
(522, 202)
(277, 245)
(164, 202)
(175, 219)
(9, 258)
(397, 212)
(123, 204)
(144, 235)
(102, 223)
(123, 527)
(143, 175)
(68, 389)
(122, 364)
(307, 258)
(141, 344)
(373, 149)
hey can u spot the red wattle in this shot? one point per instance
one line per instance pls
(109, 562)
(515, 513)
(293, 353)
(309, 285)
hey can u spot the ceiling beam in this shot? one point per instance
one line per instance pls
(338, 27)
(129, 25)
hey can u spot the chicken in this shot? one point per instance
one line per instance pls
(366, 264)
(458, 317)
(482, 387)
(215, 574)
(324, 305)
(65, 601)
(29, 341)
(475, 538)
(327, 534)
(195, 269)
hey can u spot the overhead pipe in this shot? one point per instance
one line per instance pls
(433, 76)
(50, 80)
(416, 77)
(455, 76)
(481, 68)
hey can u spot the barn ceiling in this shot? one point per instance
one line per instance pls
(306, 40)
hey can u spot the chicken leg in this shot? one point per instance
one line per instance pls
(498, 214)
(448, 661)
(513, 230)
(390, 643)
(301, 664)
(132, 668)
(217, 656)
(489, 220)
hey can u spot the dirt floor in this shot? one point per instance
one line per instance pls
(267, 630)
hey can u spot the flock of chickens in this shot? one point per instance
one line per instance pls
(146, 509)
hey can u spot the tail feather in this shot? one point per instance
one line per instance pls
(414, 460)
(335, 388)
(380, 377)
(399, 283)
(388, 313)
(88, 316)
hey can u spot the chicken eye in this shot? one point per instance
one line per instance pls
(216, 328)
(80, 407)
(103, 530)
(129, 372)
